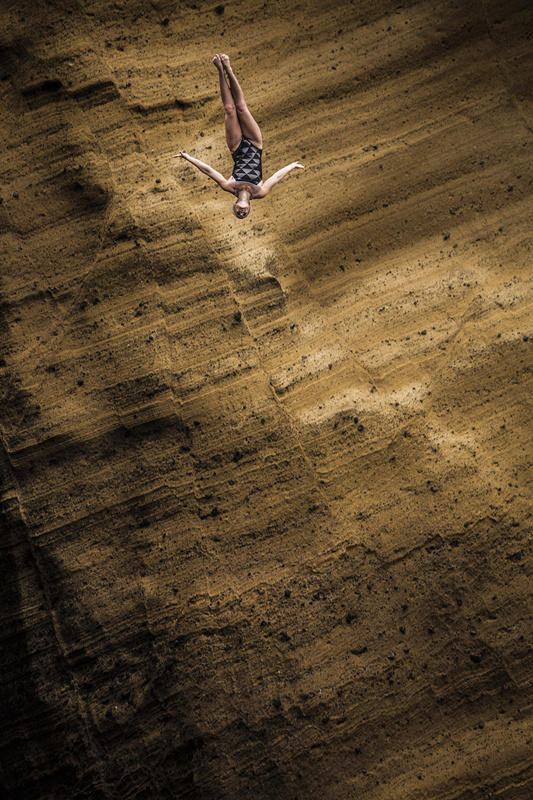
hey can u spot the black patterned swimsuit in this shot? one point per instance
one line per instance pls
(247, 167)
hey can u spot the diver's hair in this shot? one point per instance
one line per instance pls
(235, 213)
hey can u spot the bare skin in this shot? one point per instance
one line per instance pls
(238, 122)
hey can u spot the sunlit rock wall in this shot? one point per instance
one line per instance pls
(266, 484)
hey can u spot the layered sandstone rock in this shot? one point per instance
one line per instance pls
(266, 484)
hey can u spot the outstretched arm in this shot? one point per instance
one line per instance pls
(203, 167)
(277, 176)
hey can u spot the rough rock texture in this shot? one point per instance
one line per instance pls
(281, 554)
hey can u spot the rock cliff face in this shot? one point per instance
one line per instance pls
(266, 484)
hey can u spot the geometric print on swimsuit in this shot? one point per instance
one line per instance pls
(247, 159)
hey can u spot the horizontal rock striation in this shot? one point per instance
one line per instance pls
(266, 484)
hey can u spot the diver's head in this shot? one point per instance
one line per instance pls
(241, 207)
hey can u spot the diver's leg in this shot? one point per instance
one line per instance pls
(249, 126)
(231, 120)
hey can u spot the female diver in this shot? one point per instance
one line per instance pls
(245, 143)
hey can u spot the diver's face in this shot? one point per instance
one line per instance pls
(242, 211)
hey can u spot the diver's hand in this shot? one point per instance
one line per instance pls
(181, 154)
(297, 165)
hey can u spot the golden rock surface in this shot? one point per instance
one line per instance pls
(266, 484)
